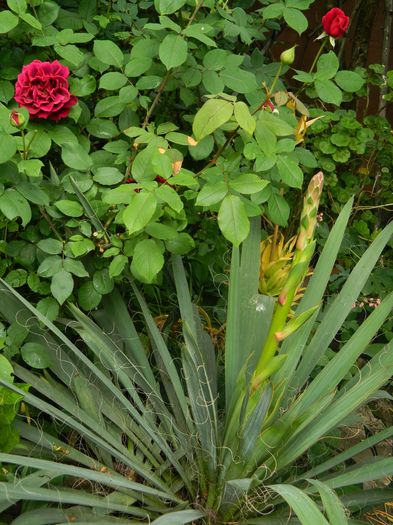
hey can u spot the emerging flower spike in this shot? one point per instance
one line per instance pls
(335, 22)
(42, 88)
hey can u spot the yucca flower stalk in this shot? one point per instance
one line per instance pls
(305, 245)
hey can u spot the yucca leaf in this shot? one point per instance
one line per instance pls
(341, 306)
(164, 356)
(349, 453)
(303, 506)
(332, 505)
(66, 496)
(46, 516)
(248, 317)
(337, 368)
(36, 479)
(110, 479)
(200, 341)
(178, 518)
(361, 499)
(379, 373)
(89, 434)
(368, 470)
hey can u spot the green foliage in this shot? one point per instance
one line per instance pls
(171, 115)
(218, 442)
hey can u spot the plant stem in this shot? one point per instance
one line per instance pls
(317, 56)
(50, 223)
(156, 99)
(24, 152)
(197, 8)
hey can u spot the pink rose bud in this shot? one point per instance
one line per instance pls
(17, 119)
(335, 22)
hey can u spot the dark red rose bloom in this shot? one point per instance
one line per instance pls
(42, 88)
(335, 22)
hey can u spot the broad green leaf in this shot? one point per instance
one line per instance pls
(278, 209)
(48, 307)
(13, 205)
(213, 114)
(170, 196)
(62, 285)
(233, 220)
(112, 81)
(18, 6)
(88, 297)
(138, 65)
(48, 12)
(75, 267)
(35, 355)
(211, 193)
(108, 176)
(139, 212)
(327, 66)
(71, 53)
(173, 51)
(7, 144)
(75, 156)
(328, 92)
(102, 281)
(239, 80)
(6, 369)
(295, 19)
(181, 244)
(82, 87)
(7, 21)
(161, 231)
(198, 31)
(273, 11)
(102, 128)
(275, 124)
(109, 107)
(108, 52)
(212, 82)
(247, 183)
(244, 118)
(167, 7)
(32, 167)
(31, 20)
(52, 246)
(290, 172)
(147, 261)
(349, 81)
(69, 208)
(117, 265)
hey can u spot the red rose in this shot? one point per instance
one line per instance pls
(335, 22)
(42, 88)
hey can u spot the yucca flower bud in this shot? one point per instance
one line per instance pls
(287, 57)
(309, 216)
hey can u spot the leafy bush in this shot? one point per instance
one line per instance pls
(180, 116)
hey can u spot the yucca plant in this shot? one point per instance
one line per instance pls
(122, 434)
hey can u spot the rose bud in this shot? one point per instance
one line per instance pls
(287, 57)
(335, 22)
(17, 119)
